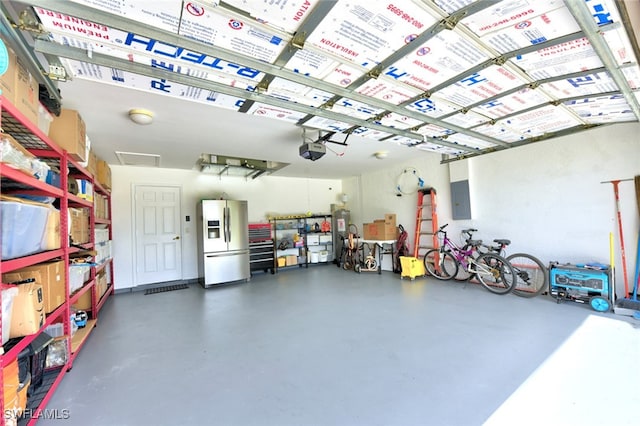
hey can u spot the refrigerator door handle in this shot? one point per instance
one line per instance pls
(225, 254)
(227, 226)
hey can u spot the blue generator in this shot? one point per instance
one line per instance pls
(591, 284)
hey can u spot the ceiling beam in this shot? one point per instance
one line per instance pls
(136, 68)
(125, 24)
(584, 18)
(18, 44)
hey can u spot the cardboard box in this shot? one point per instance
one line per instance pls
(26, 95)
(44, 119)
(69, 132)
(48, 275)
(292, 260)
(79, 225)
(104, 174)
(10, 379)
(369, 231)
(92, 163)
(8, 80)
(84, 302)
(379, 231)
(28, 310)
(52, 239)
(101, 206)
(10, 154)
(101, 284)
(8, 294)
(390, 219)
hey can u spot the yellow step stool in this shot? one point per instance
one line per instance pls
(411, 267)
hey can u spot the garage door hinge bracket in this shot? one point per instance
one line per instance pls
(298, 40)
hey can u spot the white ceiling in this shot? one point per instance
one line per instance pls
(184, 129)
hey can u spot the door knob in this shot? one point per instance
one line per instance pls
(177, 237)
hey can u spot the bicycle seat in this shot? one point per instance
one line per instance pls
(474, 242)
(503, 242)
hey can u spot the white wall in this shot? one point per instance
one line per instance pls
(374, 194)
(546, 197)
(265, 195)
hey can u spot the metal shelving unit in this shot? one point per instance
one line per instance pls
(34, 140)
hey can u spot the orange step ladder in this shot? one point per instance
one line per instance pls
(426, 236)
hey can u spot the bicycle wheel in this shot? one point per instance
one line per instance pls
(463, 274)
(348, 261)
(532, 278)
(440, 265)
(495, 273)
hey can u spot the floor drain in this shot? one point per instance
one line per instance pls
(165, 289)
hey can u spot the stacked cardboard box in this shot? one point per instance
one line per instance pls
(104, 174)
(79, 225)
(381, 229)
(101, 284)
(28, 310)
(100, 205)
(20, 88)
(68, 131)
(49, 275)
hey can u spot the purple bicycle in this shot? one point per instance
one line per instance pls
(493, 271)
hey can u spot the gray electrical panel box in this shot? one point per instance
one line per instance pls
(460, 201)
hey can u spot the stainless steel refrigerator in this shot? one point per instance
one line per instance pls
(223, 242)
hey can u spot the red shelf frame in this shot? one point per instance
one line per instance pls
(36, 142)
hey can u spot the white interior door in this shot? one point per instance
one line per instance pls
(157, 234)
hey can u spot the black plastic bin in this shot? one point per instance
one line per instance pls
(32, 361)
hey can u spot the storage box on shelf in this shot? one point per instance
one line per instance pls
(8, 295)
(303, 240)
(69, 132)
(102, 244)
(319, 239)
(104, 174)
(101, 206)
(44, 119)
(37, 254)
(19, 87)
(28, 227)
(50, 275)
(92, 163)
(85, 189)
(79, 225)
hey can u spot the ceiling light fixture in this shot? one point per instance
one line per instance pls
(381, 155)
(141, 116)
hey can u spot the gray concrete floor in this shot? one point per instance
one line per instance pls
(317, 346)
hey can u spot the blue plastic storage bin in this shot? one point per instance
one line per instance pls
(23, 227)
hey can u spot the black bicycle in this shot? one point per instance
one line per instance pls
(532, 275)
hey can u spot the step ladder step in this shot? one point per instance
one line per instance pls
(426, 213)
